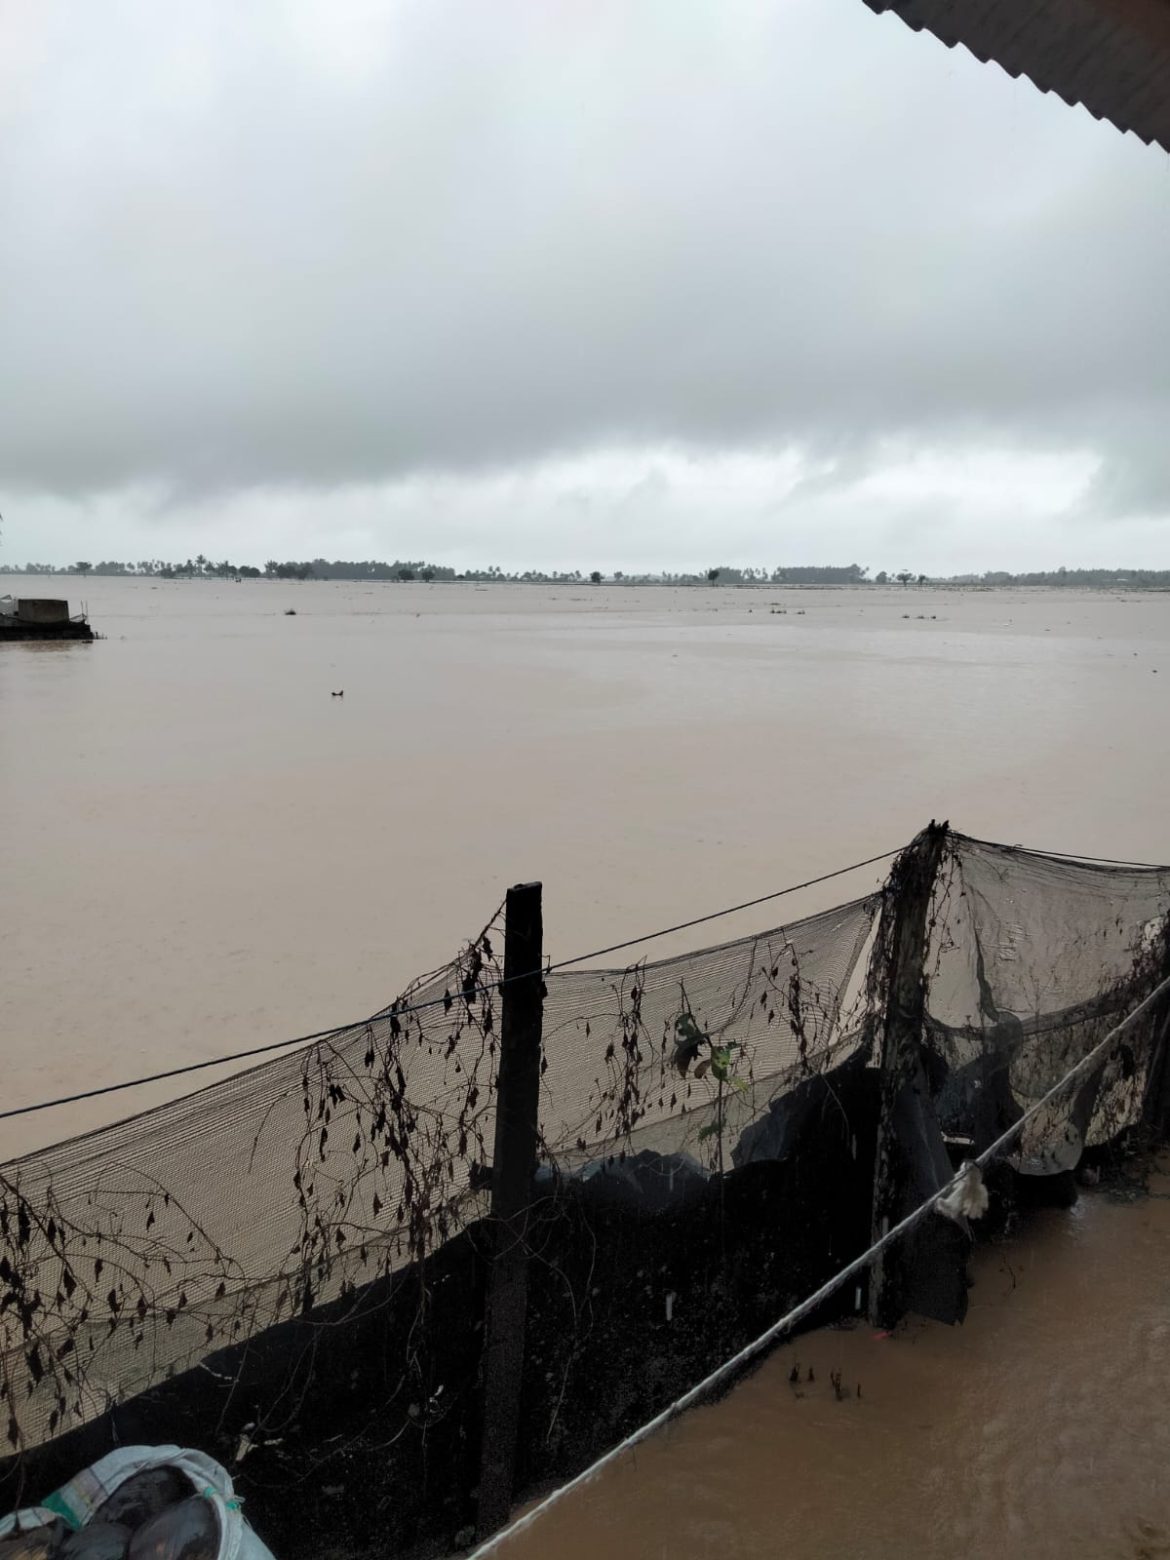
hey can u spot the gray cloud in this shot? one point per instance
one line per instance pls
(301, 245)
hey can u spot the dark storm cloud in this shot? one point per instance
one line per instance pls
(304, 244)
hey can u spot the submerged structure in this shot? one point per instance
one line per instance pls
(41, 617)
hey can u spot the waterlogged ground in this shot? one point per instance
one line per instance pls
(1036, 1431)
(207, 851)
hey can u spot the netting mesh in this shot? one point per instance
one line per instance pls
(1033, 961)
(314, 1232)
(141, 1249)
(618, 1077)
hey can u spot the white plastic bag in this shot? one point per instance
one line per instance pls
(77, 1501)
(28, 1518)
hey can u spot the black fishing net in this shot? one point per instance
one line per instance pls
(287, 1269)
(634, 1057)
(143, 1248)
(1033, 961)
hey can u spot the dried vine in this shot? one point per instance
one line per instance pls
(87, 1281)
(378, 1141)
(381, 1167)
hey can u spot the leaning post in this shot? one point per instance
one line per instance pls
(513, 1169)
(901, 1033)
(1156, 1104)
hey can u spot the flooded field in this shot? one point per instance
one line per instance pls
(207, 850)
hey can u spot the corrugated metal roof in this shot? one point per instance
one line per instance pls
(1112, 56)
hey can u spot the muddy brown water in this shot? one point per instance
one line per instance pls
(1039, 1430)
(206, 851)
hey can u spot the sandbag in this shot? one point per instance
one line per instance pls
(134, 1488)
(144, 1495)
(30, 1535)
(98, 1540)
(188, 1531)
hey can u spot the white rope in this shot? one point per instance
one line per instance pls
(799, 1312)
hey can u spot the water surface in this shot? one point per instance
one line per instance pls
(205, 850)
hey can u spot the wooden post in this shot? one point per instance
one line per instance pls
(1156, 1104)
(513, 1168)
(899, 1056)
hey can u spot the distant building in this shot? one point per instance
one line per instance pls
(40, 617)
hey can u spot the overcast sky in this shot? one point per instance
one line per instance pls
(568, 283)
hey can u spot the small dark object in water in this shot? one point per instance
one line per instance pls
(794, 1376)
(34, 1543)
(290, 612)
(811, 1377)
(340, 695)
(97, 1541)
(188, 1531)
(143, 1496)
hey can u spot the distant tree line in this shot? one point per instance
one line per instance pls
(801, 574)
(155, 568)
(1077, 579)
(410, 571)
(323, 569)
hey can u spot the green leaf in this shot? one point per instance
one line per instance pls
(721, 1062)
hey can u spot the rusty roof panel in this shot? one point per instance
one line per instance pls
(1111, 56)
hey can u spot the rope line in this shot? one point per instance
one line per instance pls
(701, 920)
(484, 990)
(176, 1072)
(1065, 855)
(433, 1002)
(799, 1312)
(1104, 861)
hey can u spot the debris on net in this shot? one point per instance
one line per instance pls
(311, 1234)
(968, 1198)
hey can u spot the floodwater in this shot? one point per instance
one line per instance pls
(205, 850)
(1037, 1431)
